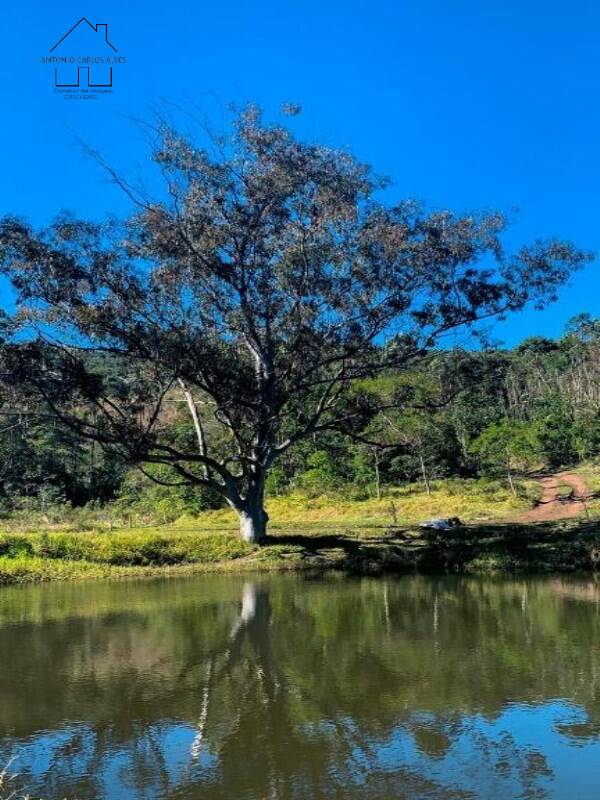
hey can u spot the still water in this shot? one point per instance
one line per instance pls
(284, 687)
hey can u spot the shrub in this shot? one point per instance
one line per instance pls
(14, 546)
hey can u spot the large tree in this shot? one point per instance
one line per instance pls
(264, 284)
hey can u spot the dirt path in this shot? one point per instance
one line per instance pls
(551, 507)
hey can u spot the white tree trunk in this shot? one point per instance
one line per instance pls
(424, 474)
(253, 524)
(511, 483)
(377, 474)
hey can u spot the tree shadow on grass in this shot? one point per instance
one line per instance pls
(558, 546)
(345, 551)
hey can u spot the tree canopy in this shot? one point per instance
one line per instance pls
(268, 278)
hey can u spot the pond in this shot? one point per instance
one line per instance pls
(288, 687)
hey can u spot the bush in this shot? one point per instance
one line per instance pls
(14, 546)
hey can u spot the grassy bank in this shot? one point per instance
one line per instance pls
(366, 536)
(544, 547)
(51, 555)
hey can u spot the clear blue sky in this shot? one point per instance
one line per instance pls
(465, 104)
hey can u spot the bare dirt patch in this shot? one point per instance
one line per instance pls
(554, 503)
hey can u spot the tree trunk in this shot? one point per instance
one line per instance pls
(253, 524)
(424, 474)
(511, 483)
(250, 508)
(377, 474)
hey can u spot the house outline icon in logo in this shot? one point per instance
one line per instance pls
(101, 39)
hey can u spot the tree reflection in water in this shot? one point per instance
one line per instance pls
(288, 688)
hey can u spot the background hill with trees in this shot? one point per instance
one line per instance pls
(495, 413)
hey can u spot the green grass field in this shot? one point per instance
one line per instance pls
(470, 500)
(305, 533)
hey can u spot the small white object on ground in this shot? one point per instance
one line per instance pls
(441, 523)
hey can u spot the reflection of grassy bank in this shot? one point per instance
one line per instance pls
(564, 546)
(418, 662)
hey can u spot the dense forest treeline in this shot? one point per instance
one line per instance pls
(495, 412)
